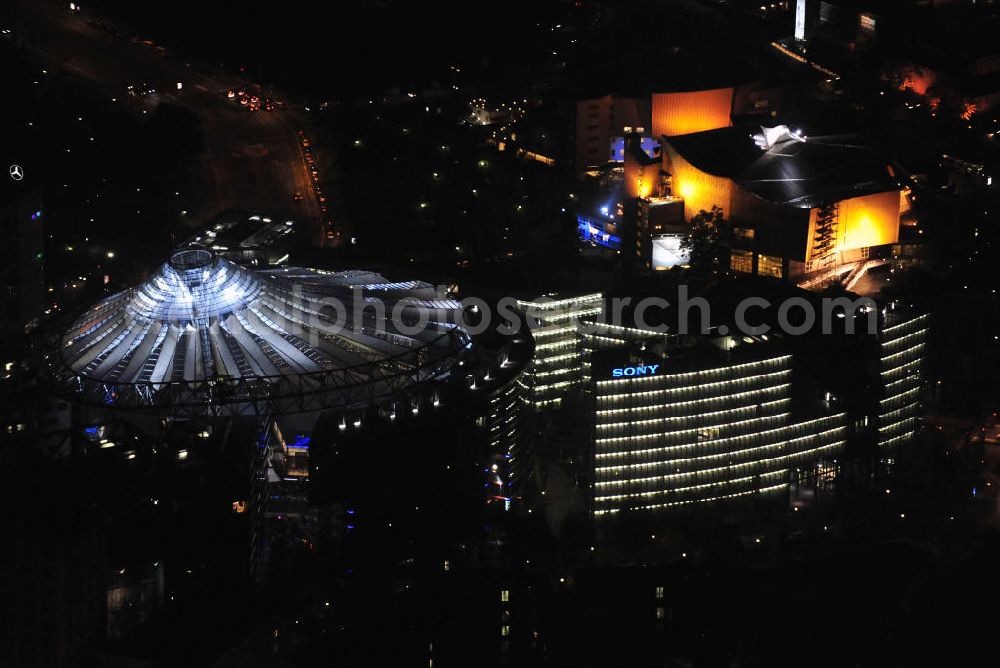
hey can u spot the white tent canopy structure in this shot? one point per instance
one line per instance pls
(203, 333)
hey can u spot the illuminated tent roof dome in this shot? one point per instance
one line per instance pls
(194, 285)
(201, 318)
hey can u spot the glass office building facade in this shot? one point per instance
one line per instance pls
(710, 423)
(902, 345)
(557, 368)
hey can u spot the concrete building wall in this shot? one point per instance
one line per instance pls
(600, 119)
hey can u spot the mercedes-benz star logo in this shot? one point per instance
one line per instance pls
(16, 172)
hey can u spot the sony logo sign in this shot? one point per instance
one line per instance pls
(642, 370)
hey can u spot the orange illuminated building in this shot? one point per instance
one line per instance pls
(641, 172)
(601, 121)
(682, 113)
(797, 205)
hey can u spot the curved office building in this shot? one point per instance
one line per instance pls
(902, 343)
(204, 333)
(706, 424)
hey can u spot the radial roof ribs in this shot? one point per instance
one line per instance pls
(201, 318)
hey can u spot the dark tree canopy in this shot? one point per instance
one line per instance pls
(708, 240)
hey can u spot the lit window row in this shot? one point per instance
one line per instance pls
(889, 402)
(903, 341)
(750, 457)
(699, 405)
(699, 433)
(769, 477)
(683, 420)
(902, 327)
(905, 436)
(661, 506)
(896, 356)
(779, 435)
(699, 390)
(582, 301)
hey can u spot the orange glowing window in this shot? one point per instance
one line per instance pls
(741, 261)
(769, 265)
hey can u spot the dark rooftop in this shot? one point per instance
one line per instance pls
(724, 152)
(795, 172)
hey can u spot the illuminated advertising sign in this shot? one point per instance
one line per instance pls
(669, 251)
(800, 19)
(632, 371)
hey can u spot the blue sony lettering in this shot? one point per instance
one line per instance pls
(630, 371)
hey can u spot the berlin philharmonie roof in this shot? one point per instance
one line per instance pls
(203, 329)
(786, 168)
